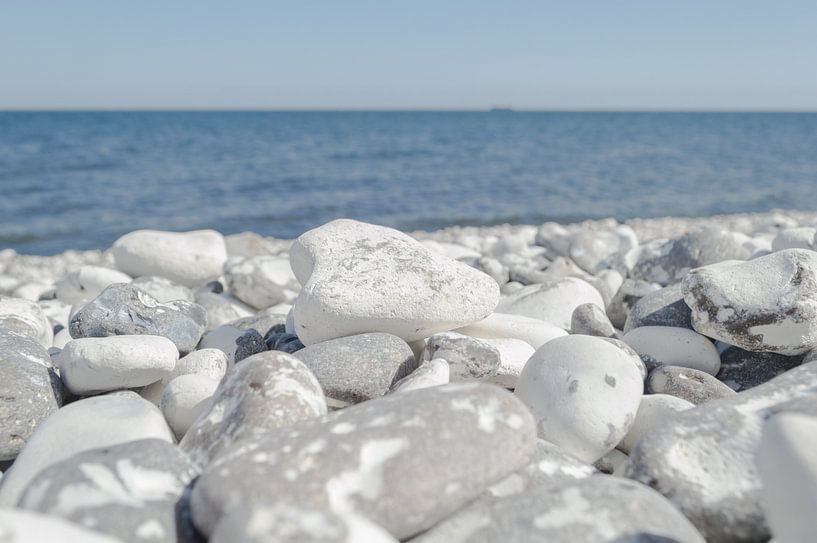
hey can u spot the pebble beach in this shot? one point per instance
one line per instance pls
(600, 381)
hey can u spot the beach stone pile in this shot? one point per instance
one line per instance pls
(592, 382)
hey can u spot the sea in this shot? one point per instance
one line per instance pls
(79, 180)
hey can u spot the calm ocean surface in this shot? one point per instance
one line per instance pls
(79, 180)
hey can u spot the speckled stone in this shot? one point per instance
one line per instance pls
(766, 304)
(405, 461)
(133, 491)
(127, 310)
(30, 390)
(598, 509)
(704, 461)
(265, 391)
(697, 248)
(358, 368)
(360, 278)
(742, 370)
(467, 357)
(664, 307)
(282, 522)
(591, 320)
(692, 385)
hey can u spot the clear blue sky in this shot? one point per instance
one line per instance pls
(650, 54)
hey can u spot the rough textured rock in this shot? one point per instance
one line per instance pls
(132, 491)
(266, 391)
(100, 364)
(599, 509)
(584, 393)
(742, 370)
(704, 461)
(671, 346)
(126, 310)
(358, 368)
(404, 461)
(80, 426)
(664, 307)
(787, 465)
(187, 258)
(552, 302)
(27, 318)
(467, 357)
(766, 304)
(360, 278)
(694, 249)
(18, 526)
(284, 522)
(692, 385)
(30, 389)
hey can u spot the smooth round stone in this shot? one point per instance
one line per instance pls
(126, 310)
(663, 307)
(30, 389)
(630, 352)
(430, 373)
(502, 325)
(210, 363)
(689, 384)
(654, 410)
(100, 364)
(704, 461)
(552, 302)
(360, 278)
(742, 370)
(86, 424)
(222, 309)
(404, 461)
(184, 399)
(591, 320)
(670, 346)
(163, 289)
(513, 355)
(132, 491)
(692, 250)
(598, 509)
(467, 357)
(787, 465)
(626, 298)
(794, 238)
(584, 393)
(187, 258)
(358, 368)
(234, 342)
(86, 283)
(290, 522)
(25, 317)
(266, 391)
(765, 304)
(262, 281)
(18, 526)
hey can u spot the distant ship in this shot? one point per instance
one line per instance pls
(501, 109)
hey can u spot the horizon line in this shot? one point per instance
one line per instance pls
(408, 109)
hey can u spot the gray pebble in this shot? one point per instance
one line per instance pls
(664, 307)
(591, 320)
(249, 343)
(742, 370)
(467, 357)
(123, 309)
(357, 368)
(692, 385)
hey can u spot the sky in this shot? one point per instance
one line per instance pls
(417, 54)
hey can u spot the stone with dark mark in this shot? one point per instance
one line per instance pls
(664, 307)
(123, 309)
(467, 357)
(628, 295)
(591, 320)
(742, 370)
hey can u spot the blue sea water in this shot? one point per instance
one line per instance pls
(81, 179)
